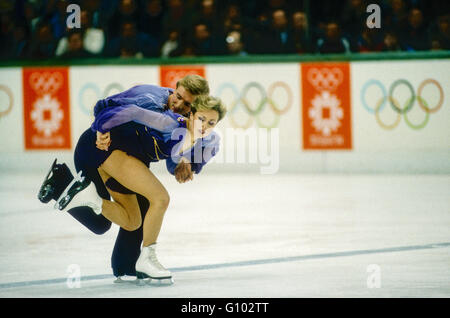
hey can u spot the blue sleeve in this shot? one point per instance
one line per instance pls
(111, 117)
(146, 96)
(209, 150)
(199, 155)
(171, 165)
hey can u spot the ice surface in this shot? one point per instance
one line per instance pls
(228, 235)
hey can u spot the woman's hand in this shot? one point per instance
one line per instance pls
(103, 140)
(183, 171)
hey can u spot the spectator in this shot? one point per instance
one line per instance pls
(300, 33)
(441, 34)
(274, 5)
(207, 14)
(127, 11)
(99, 11)
(160, 27)
(416, 36)
(93, 38)
(257, 42)
(353, 20)
(151, 19)
(128, 49)
(188, 50)
(20, 44)
(370, 40)
(333, 42)
(396, 19)
(175, 17)
(75, 48)
(232, 20)
(172, 45)
(58, 18)
(279, 36)
(31, 17)
(204, 43)
(325, 10)
(132, 41)
(6, 34)
(390, 42)
(43, 43)
(235, 45)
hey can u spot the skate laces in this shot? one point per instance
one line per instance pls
(152, 256)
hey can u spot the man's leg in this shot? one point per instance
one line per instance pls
(128, 246)
(96, 223)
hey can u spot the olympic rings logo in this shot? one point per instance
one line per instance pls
(98, 94)
(325, 79)
(10, 95)
(266, 98)
(388, 97)
(46, 82)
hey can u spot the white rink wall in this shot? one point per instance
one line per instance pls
(409, 147)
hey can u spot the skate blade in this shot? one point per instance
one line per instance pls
(121, 281)
(44, 195)
(144, 279)
(58, 205)
(50, 170)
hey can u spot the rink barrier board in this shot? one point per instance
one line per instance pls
(415, 150)
(266, 58)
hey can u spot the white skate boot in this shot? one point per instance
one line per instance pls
(86, 197)
(147, 266)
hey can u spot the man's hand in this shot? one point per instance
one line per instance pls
(103, 140)
(183, 171)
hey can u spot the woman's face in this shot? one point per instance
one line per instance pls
(204, 122)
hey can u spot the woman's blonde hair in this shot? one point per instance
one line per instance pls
(194, 84)
(206, 102)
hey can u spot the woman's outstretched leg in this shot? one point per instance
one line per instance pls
(124, 210)
(134, 175)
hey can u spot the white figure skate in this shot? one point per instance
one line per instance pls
(148, 266)
(81, 196)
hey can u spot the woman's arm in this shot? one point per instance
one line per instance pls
(209, 148)
(111, 117)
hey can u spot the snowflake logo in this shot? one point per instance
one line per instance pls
(326, 113)
(47, 115)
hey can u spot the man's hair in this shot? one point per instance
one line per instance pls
(206, 102)
(194, 84)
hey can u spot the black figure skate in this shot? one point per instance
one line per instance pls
(57, 179)
(60, 185)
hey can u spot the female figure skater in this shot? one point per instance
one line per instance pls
(140, 136)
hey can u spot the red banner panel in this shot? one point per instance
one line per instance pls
(46, 108)
(326, 109)
(170, 74)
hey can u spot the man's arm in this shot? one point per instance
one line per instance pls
(111, 117)
(145, 96)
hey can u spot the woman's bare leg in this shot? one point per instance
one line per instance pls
(124, 210)
(134, 175)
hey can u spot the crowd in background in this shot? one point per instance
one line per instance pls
(37, 29)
